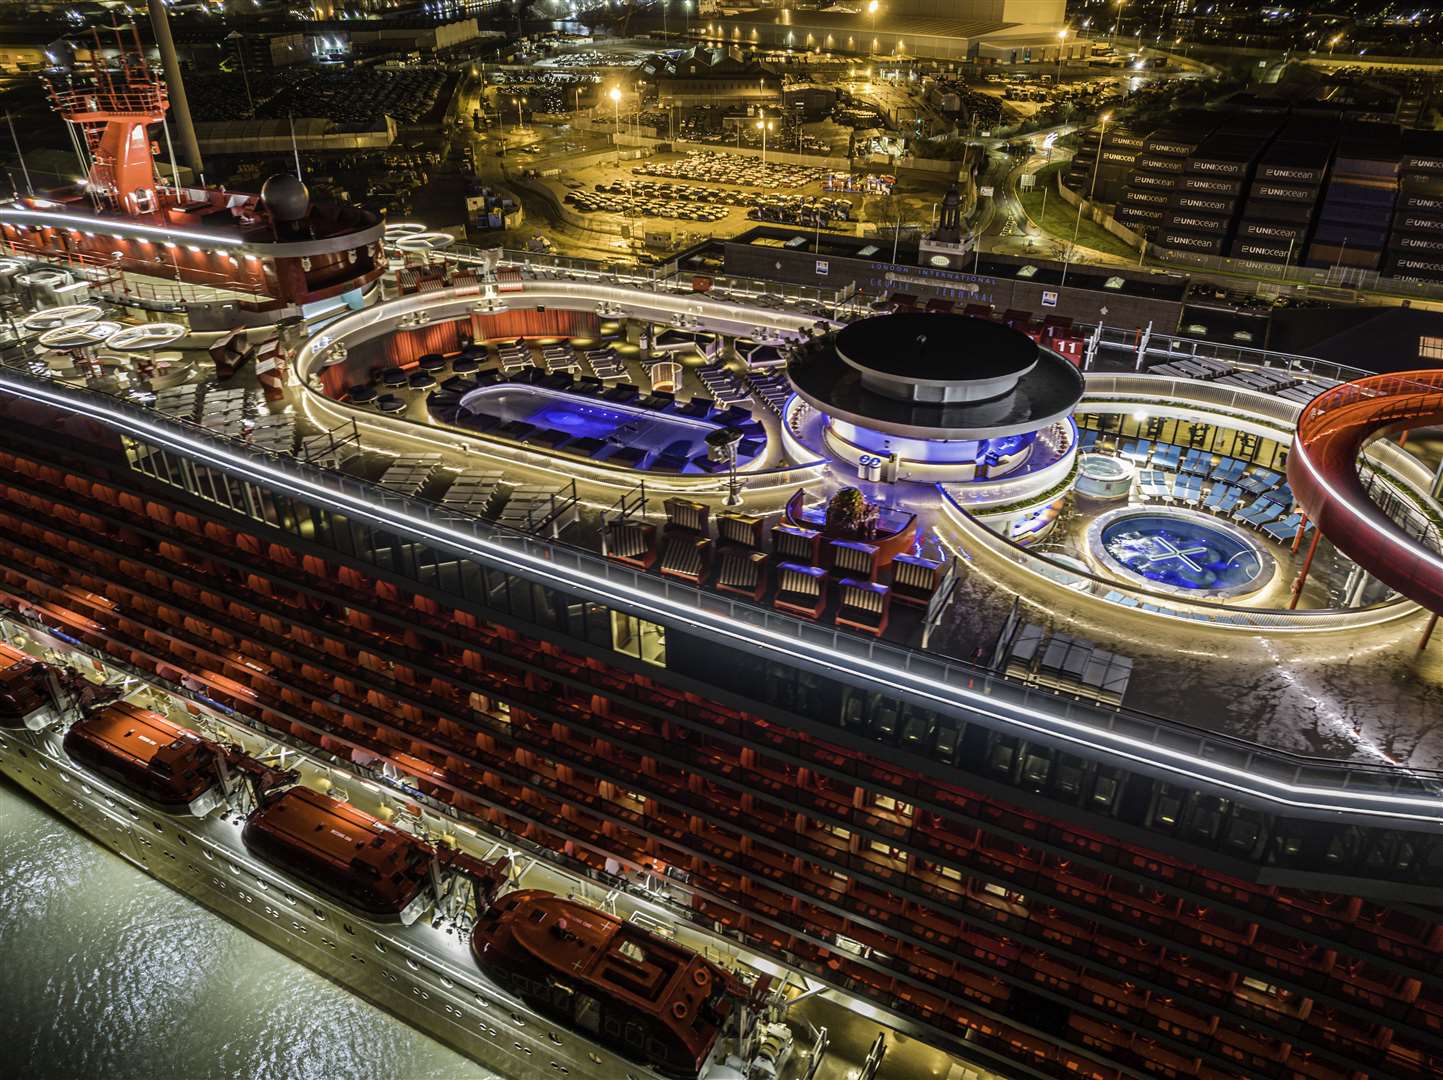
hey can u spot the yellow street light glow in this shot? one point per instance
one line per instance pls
(616, 93)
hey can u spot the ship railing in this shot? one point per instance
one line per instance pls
(1112, 591)
(110, 279)
(1299, 783)
(1162, 348)
(572, 268)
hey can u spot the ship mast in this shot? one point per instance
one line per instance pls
(111, 106)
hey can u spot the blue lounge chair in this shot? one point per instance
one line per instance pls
(1284, 528)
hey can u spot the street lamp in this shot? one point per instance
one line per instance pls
(1333, 43)
(1091, 191)
(1061, 40)
(1117, 26)
(872, 11)
(764, 126)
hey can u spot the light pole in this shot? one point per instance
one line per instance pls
(239, 39)
(1091, 191)
(1333, 43)
(1117, 25)
(764, 126)
(1061, 40)
(616, 117)
(872, 11)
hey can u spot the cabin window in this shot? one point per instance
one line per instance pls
(638, 637)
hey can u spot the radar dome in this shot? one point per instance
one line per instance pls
(285, 198)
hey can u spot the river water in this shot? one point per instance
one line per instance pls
(105, 972)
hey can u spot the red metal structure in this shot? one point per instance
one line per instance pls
(1323, 472)
(113, 107)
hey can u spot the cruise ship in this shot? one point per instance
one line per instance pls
(602, 669)
(1070, 715)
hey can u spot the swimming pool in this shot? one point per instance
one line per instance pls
(1180, 550)
(642, 437)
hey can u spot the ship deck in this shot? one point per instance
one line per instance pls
(194, 215)
(1364, 695)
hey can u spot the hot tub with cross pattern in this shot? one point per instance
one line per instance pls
(1184, 552)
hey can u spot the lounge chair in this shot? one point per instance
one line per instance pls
(685, 556)
(742, 572)
(801, 590)
(631, 542)
(631, 457)
(863, 605)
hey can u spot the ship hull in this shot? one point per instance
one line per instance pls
(419, 974)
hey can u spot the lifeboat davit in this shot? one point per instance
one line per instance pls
(23, 691)
(647, 998)
(168, 766)
(355, 859)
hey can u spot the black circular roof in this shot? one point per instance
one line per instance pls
(936, 348)
(1001, 382)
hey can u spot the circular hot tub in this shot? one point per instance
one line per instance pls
(1101, 476)
(1179, 551)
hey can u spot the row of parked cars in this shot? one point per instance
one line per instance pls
(638, 205)
(801, 210)
(717, 168)
(666, 189)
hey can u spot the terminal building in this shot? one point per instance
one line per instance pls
(985, 31)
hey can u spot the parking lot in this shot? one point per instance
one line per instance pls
(723, 192)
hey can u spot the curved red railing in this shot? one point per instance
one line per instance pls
(1331, 433)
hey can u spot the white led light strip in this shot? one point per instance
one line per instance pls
(111, 227)
(761, 639)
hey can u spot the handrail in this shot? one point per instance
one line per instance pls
(1292, 783)
(1212, 613)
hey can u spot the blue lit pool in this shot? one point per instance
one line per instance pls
(602, 430)
(1179, 550)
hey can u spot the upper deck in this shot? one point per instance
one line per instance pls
(229, 220)
(1239, 698)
